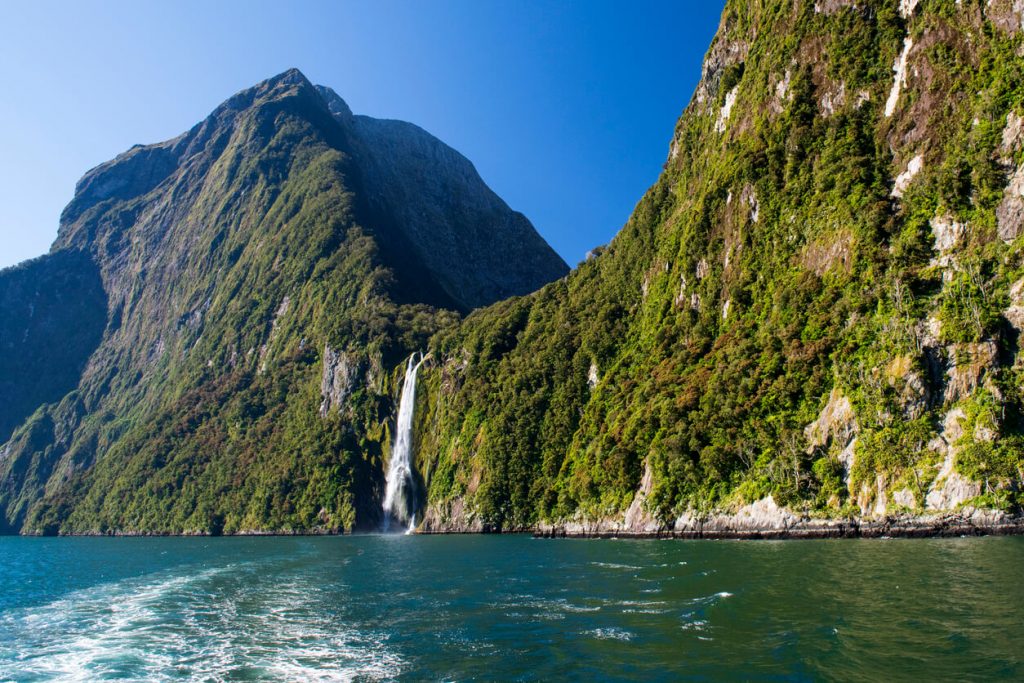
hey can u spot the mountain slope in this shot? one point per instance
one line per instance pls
(814, 314)
(480, 250)
(816, 306)
(59, 296)
(257, 294)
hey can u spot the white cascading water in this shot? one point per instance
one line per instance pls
(400, 492)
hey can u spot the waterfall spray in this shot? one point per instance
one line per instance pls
(400, 492)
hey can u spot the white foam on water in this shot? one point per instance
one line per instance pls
(711, 599)
(614, 565)
(189, 627)
(570, 607)
(551, 615)
(695, 624)
(544, 608)
(89, 634)
(610, 634)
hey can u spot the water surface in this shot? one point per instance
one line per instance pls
(509, 608)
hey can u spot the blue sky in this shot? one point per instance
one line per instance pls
(565, 108)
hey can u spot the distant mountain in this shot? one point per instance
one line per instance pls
(209, 344)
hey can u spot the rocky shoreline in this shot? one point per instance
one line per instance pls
(913, 527)
(763, 519)
(766, 520)
(942, 527)
(760, 520)
(130, 533)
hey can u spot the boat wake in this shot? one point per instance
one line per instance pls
(218, 624)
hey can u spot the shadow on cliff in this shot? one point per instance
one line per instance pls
(53, 311)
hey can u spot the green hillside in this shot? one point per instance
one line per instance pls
(814, 313)
(818, 301)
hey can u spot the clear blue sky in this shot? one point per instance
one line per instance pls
(565, 108)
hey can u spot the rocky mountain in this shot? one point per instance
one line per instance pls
(813, 315)
(810, 322)
(478, 249)
(209, 345)
(59, 296)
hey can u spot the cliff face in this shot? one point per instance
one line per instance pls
(217, 321)
(814, 313)
(480, 250)
(54, 302)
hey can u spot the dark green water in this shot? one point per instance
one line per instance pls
(509, 608)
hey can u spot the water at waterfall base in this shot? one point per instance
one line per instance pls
(509, 608)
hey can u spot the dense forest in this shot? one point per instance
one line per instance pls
(816, 308)
(818, 301)
(218, 324)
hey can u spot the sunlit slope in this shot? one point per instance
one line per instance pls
(819, 300)
(259, 286)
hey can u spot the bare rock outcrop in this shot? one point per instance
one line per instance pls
(968, 365)
(1010, 212)
(836, 422)
(638, 517)
(452, 516)
(338, 379)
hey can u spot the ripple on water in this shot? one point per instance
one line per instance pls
(643, 606)
(122, 630)
(696, 619)
(610, 634)
(692, 624)
(616, 565)
(541, 608)
(711, 599)
(434, 608)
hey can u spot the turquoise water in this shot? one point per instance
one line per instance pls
(509, 608)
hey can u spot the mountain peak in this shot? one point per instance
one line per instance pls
(280, 227)
(292, 75)
(290, 83)
(335, 104)
(291, 80)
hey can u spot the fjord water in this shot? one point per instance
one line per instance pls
(508, 608)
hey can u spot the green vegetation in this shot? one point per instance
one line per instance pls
(791, 311)
(202, 409)
(57, 302)
(768, 266)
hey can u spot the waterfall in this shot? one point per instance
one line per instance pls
(400, 493)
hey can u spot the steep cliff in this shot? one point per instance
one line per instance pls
(56, 303)
(221, 312)
(812, 317)
(815, 311)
